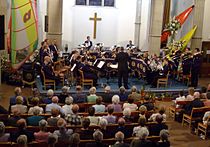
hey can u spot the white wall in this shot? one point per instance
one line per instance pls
(206, 29)
(116, 27)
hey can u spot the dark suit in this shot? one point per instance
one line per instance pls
(89, 43)
(49, 73)
(122, 59)
(89, 74)
(196, 63)
(54, 50)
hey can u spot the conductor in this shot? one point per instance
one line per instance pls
(122, 59)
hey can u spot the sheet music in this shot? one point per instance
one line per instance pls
(95, 62)
(100, 64)
(115, 66)
(72, 69)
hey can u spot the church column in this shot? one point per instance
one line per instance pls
(3, 11)
(198, 17)
(157, 10)
(54, 12)
(138, 23)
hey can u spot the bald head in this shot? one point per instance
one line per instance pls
(55, 99)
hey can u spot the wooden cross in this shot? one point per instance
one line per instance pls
(95, 19)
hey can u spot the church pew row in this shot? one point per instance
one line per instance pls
(10, 129)
(82, 142)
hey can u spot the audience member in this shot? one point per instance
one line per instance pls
(74, 118)
(122, 94)
(54, 104)
(22, 141)
(107, 94)
(35, 102)
(103, 128)
(142, 111)
(19, 105)
(121, 127)
(207, 102)
(35, 94)
(98, 137)
(63, 133)
(119, 137)
(206, 118)
(155, 129)
(190, 95)
(67, 108)
(52, 121)
(142, 122)
(111, 119)
(134, 94)
(34, 120)
(4, 137)
(164, 142)
(180, 98)
(21, 123)
(52, 140)
(74, 140)
(127, 116)
(115, 104)
(42, 135)
(85, 132)
(94, 120)
(63, 94)
(161, 112)
(79, 96)
(17, 92)
(99, 107)
(92, 97)
(12, 120)
(148, 103)
(48, 99)
(130, 104)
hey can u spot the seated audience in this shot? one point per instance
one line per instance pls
(142, 134)
(19, 105)
(12, 120)
(148, 103)
(74, 140)
(180, 98)
(106, 95)
(111, 119)
(63, 133)
(207, 102)
(119, 137)
(48, 99)
(115, 103)
(127, 116)
(42, 135)
(161, 112)
(206, 117)
(79, 96)
(35, 94)
(164, 142)
(68, 105)
(17, 92)
(122, 94)
(52, 140)
(4, 137)
(134, 94)
(142, 111)
(74, 118)
(98, 137)
(34, 120)
(85, 132)
(64, 94)
(203, 93)
(54, 104)
(52, 121)
(142, 122)
(190, 95)
(130, 104)
(99, 107)
(21, 123)
(196, 103)
(92, 97)
(22, 141)
(127, 132)
(94, 120)
(155, 129)
(35, 102)
(103, 128)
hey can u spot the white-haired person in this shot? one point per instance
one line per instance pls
(19, 105)
(106, 95)
(142, 141)
(22, 141)
(42, 135)
(67, 108)
(127, 116)
(35, 102)
(164, 142)
(92, 97)
(4, 137)
(54, 104)
(99, 107)
(190, 95)
(98, 137)
(115, 103)
(48, 99)
(103, 128)
(64, 94)
(119, 137)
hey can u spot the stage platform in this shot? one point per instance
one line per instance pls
(173, 86)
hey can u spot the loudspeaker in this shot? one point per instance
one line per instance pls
(46, 23)
(2, 30)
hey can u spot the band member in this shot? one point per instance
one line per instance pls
(122, 59)
(130, 44)
(88, 43)
(196, 63)
(54, 50)
(186, 61)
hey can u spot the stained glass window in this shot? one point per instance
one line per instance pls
(81, 2)
(95, 2)
(109, 3)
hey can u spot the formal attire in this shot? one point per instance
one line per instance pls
(79, 97)
(122, 59)
(195, 70)
(54, 50)
(88, 44)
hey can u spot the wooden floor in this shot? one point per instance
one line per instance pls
(179, 136)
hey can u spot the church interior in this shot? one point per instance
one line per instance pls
(90, 73)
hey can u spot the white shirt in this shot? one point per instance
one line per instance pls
(67, 109)
(133, 107)
(53, 105)
(205, 117)
(31, 110)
